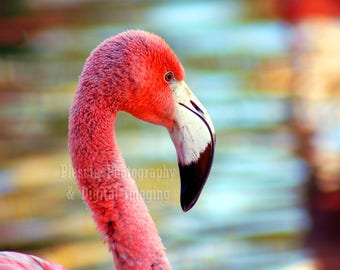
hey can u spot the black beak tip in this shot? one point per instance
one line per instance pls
(185, 208)
(187, 201)
(194, 177)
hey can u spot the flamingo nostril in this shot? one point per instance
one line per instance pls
(198, 109)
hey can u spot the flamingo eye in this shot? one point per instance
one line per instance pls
(169, 76)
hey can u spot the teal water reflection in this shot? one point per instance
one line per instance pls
(250, 215)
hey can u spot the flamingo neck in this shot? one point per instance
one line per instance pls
(110, 192)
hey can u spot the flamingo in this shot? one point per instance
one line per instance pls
(136, 72)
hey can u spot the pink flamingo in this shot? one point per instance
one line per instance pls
(138, 73)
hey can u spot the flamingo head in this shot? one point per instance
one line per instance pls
(148, 82)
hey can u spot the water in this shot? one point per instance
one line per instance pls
(250, 215)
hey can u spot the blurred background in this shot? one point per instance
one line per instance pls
(267, 71)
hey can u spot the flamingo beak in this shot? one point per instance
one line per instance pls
(194, 137)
